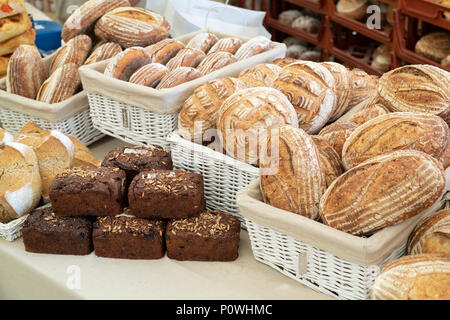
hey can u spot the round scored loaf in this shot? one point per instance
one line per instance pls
(381, 58)
(261, 75)
(431, 235)
(132, 27)
(299, 182)
(288, 16)
(434, 46)
(178, 76)
(337, 133)
(415, 277)
(246, 117)
(164, 50)
(61, 85)
(104, 51)
(75, 51)
(416, 88)
(202, 41)
(396, 131)
(383, 191)
(20, 182)
(229, 44)
(215, 61)
(330, 161)
(123, 65)
(307, 23)
(84, 17)
(253, 47)
(149, 75)
(26, 72)
(187, 57)
(343, 79)
(200, 110)
(310, 87)
(364, 88)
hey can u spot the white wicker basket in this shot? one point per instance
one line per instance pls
(223, 176)
(12, 230)
(302, 249)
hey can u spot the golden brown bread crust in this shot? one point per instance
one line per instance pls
(75, 51)
(261, 75)
(364, 88)
(396, 131)
(282, 62)
(415, 277)
(83, 18)
(8, 46)
(337, 133)
(13, 26)
(361, 200)
(61, 85)
(149, 75)
(202, 41)
(104, 51)
(434, 46)
(187, 57)
(431, 235)
(165, 50)
(124, 64)
(299, 181)
(229, 44)
(371, 111)
(200, 110)
(342, 78)
(178, 76)
(330, 161)
(253, 47)
(26, 72)
(215, 61)
(131, 27)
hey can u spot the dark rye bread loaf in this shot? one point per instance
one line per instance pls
(88, 191)
(168, 194)
(212, 236)
(128, 238)
(44, 232)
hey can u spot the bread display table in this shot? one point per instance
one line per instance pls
(26, 275)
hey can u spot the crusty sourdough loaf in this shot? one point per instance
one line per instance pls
(310, 87)
(26, 72)
(330, 160)
(83, 156)
(229, 44)
(396, 131)
(299, 182)
(364, 88)
(434, 46)
(84, 17)
(149, 75)
(383, 191)
(431, 235)
(202, 41)
(415, 277)
(261, 75)
(199, 112)
(164, 50)
(416, 88)
(343, 79)
(187, 57)
(20, 182)
(337, 133)
(283, 62)
(253, 47)
(370, 111)
(13, 26)
(8, 46)
(61, 85)
(178, 76)
(353, 9)
(103, 52)
(245, 119)
(215, 61)
(123, 65)
(75, 51)
(131, 27)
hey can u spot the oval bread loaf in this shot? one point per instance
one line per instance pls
(283, 62)
(337, 133)
(416, 277)
(75, 51)
(353, 9)
(215, 61)
(343, 79)
(396, 131)
(202, 41)
(123, 65)
(103, 52)
(434, 46)
(61, 85)
(164, 50)
(187, 57)
(229, 44)
(382, 191)
(310, 88)
(149, 75)
(178, 76)
(261, 75)
(431, 235)
(364, 88)
(369, 112)
(253, 47)
(299, 182)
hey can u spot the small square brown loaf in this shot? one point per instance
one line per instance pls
(44, 232)
(212, 236)
(168, 194)
(88, 191)
(128, 238)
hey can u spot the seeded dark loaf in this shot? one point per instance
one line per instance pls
(44, 232)
(167, 194)
(213, 236)
(88, 191)
(128, 238)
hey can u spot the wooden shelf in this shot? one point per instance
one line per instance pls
(426, 10)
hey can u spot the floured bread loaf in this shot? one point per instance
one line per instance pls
(54, 152)
(253, 47)
(396, 131)
(215, 61)
(123, 65)
(431, 235)
(371, 111)
(13, 26)
(103, 52)
(381, 58)
(75, 51)
(330, 161)
(383, 191)
(26, 72)
(178, 76)
(188, 57)
(149, 75)
(416, 88)
(416, 277)
(5, 137)
(20, 182)
(132, 27)
(164, 50)
(310, 87)
(83, 18)
(247, 116)
(261, 75)
(83, 157)
(364, 88)
(202, 41)
(200, 110)
(295, 51)
(299, 182)
(229, 44)
(61, 85)
(343, 79)
(337, 133)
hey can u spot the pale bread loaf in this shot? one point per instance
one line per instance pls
(431, 235)
(343, 80)
(215, 61)
(149, 75)
(75, 51)
(295, 51)
(178, 76)
(61, 85)
(416, 277)
(299, 182)
(200, 110)
(337, 133)
(83, 156)
(310, 87)
(253, 47)
(283, 62)
(203, 41)
(383, 191)
(364, 88)
(20, 182)
(187, 57)
(307, 23)
(228, 44)
(124, 64)
(164, 50)
(330, 161)
(396, 131)
(381, 58)
(251, 113)
(261, 75)
(104, 51)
